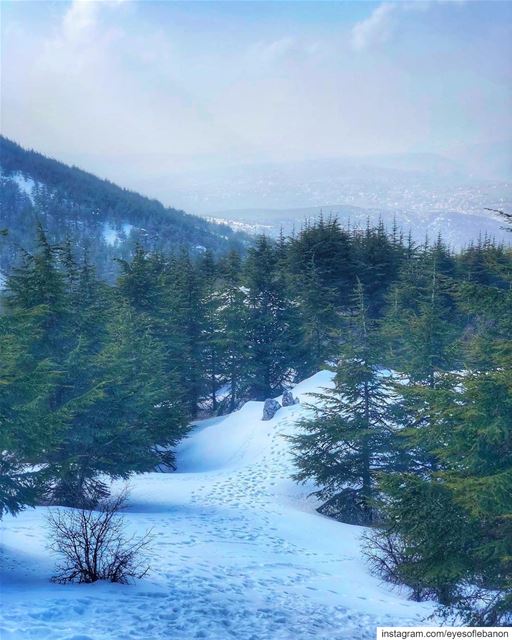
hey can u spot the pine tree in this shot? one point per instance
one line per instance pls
(378, 258)
(273, 334)
(233, 332)
(473, 421)
(35, 335)
(149, 284)
(119, 411)
(21, 440)
(328, 248)
(135, 421)
(448, 527)
(71, 396)
(212, 338)
(89, 304)
(189, 310)
(422, 321)
(447, 515)
(320, 322)
(345, 443)
(139, 282)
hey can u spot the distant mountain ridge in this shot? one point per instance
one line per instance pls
(100, 216)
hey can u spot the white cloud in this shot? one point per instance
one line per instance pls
(131, 91)
(79, 19)
(82, 18)
(284, 48)
(380, 24)
(376, 29)
(279, 48)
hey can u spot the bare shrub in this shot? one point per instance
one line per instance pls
(94, 546)
(390, 559)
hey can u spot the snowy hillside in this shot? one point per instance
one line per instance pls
(239, 552)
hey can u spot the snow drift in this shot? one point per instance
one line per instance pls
(239, 552)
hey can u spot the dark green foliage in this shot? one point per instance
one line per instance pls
(85, 390)
(232, 336)
(439, 469)
(447, 516)
(272, 322)
(347, 441)
(331, 251)
(35, 337)
(320, 320)
(421, 323)
(452, 521)
(18, 443)
(378, 258)
(99, 381)
(423, 539)
(190, 310)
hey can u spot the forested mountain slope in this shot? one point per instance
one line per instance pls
(104, 219)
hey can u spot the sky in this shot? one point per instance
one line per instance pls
(123, 88)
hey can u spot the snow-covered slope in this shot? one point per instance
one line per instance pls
(25, 184)
(239, 552)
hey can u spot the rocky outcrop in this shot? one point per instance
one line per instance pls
(288, 400)
(269, 408)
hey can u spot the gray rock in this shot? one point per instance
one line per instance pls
(288, 399)
(269, 408)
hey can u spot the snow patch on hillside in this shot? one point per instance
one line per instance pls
(26, 185)
(239, 552)
(112, 236)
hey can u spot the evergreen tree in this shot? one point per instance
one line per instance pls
(377, 261)
(140, 281)
(233, 332)
(448, 528)
(188, 307)
(421, 323)
(329, 249)
(71, 399)
(474, 423)
(21, 438)
(273, 333)
(36, 334)
(320, 322)
(212, 338)
(447, 516)
(149, 284)
(345, 443)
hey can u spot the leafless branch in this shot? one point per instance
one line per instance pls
(93, 545)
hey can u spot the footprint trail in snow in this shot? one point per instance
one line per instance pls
(239, 552)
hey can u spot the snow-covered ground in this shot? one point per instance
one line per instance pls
(111, 234)
(239, 552)
(25, 184)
